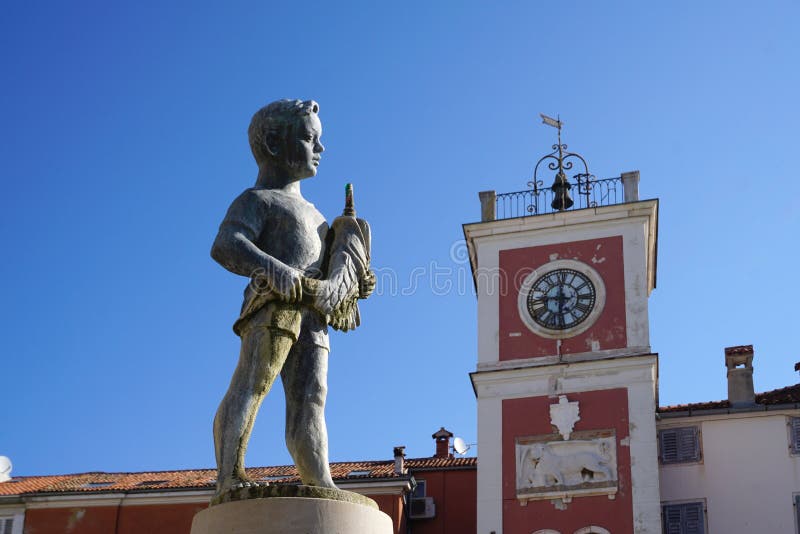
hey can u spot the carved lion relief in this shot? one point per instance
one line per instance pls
(548, 467)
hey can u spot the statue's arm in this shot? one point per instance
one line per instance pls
(234, 249)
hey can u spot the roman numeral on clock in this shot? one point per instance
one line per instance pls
(571, 291)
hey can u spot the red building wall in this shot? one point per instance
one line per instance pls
(599, 410)
(455, 493)
(154, 519)
(602, 254)
(392, 505)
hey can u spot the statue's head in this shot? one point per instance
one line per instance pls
(286, 134)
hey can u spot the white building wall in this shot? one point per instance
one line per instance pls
(747, 476)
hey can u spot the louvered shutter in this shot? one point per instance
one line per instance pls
(672, 520)
(693, 518)
(688, 445)
(679, 445)
(797, 509)
(686, 518)
(669, 445)
(794, 423)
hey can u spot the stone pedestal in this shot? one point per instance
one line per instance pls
(347, 513)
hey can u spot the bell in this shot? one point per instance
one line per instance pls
(560, 188)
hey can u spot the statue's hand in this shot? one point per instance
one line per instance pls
(287, 283)
(367, 284)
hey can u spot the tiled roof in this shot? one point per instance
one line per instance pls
(787, 395)
(441, 463)
(101, 482)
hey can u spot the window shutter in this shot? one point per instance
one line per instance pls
(6, 525)
(672, 520)
(797, 509)
(688, 451)
(795, 425)
(679, 445)
(684, 518)
(693, 513)
(669, 445)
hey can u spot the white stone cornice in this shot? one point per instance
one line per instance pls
(541, 361)
(667, 420)
(389, 487)
(73, 501)
(384, 487)
(565, 377)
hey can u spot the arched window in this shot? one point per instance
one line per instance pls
(592, 529)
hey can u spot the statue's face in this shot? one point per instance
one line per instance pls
(306, 149)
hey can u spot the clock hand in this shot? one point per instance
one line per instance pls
(560, 300)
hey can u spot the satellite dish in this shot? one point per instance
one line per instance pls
(460, 446)
(5, 468)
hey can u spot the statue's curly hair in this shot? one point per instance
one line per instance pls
(278, 119)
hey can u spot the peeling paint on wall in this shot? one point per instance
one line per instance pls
(75, 518)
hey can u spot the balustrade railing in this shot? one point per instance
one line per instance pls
(585, 193)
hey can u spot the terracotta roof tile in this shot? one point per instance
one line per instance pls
(101, 482)
(441, 463)
(787, 395)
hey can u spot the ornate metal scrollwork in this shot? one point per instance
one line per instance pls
(533, 206)
(561, 160)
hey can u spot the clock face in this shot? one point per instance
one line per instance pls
(561, 299)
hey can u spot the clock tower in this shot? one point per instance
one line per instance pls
(566, 381)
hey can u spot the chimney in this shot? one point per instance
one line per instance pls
(442, 437)
(399, 460)
(739, 361)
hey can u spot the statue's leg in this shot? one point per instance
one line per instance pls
(305, 383)
(263, 352)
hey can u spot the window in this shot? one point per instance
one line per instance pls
(419, 490)
(97, 485)
(679, 445)
(797, 512)
(6, 524)
(794, 432)
(684, 518)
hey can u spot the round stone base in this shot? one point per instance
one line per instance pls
(291, 515)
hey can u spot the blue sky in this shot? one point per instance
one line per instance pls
(123, 140)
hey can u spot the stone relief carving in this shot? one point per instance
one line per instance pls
(549, 468)
(564, 415)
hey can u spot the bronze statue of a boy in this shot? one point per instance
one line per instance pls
(304, 276)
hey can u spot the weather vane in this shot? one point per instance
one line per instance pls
(560, 162)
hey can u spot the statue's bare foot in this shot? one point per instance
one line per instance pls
(235, 483)
(246, 484)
